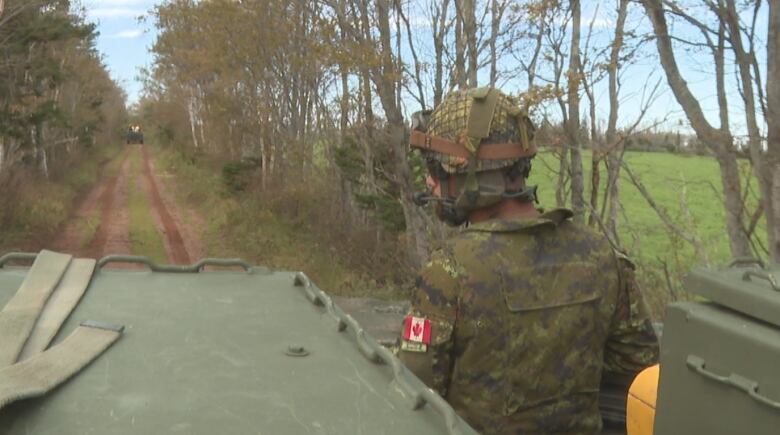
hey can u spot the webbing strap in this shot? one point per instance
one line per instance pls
(44, 371)
(18, 317)
(59, 306)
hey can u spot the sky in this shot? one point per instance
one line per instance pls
(125, 42)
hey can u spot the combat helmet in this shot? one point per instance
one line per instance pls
(472, 142)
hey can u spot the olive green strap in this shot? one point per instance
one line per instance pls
(481, 116)
(18, 317)
(59, 306)
(44, 371)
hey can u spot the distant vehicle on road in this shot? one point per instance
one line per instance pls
(135, 135)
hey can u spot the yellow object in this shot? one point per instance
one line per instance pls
(640, 406)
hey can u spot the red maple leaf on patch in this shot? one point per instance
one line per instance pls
(417, 329)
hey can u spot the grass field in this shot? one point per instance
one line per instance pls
(672, 180)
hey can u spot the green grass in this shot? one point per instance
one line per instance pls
(647, 239)
(89, 227)
(145, 237)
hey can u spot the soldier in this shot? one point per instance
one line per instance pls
(516, 319)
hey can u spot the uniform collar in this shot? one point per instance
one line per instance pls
(552, 218)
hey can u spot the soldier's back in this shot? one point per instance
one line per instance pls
(536, 302)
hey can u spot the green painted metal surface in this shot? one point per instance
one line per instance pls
(215, 352)
(720, 359)
(752, 291)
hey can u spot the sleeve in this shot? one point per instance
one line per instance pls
(435, 299)
(632, 344)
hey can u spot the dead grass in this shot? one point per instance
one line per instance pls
(35, 208)
(287, 230)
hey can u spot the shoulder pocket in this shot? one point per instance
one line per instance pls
(552, 286)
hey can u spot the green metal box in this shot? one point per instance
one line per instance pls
(720, 360)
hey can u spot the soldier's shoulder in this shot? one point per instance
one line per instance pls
(582, 233)
(443, 263)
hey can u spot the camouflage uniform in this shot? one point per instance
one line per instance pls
(525, 316)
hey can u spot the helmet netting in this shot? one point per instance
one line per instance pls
(450, 121)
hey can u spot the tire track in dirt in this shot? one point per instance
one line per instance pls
(112, 236)
(77, 236)
(186, 219)
(174, 243)
(72, 238)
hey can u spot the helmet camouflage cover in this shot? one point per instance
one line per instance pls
(473, 135)
(455, 121)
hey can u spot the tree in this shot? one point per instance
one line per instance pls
(573, 121)
(45, 107)
(387, 79)
(719, 140)
(614, 145)
(57, 101)
(771, 163)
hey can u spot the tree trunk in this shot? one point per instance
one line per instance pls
(613, 144)
(573, 126)
(563, 171)
(417, 65)
(470, 34)
(439, 33)
(459, 69)
(744, 61)
(344, 103)
(596, 153)
(718, 140)
(495, 22)
(772, 161)
(386, 82)
(193, 120)
(732, 193)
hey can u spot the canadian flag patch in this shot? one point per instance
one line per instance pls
(417, 329)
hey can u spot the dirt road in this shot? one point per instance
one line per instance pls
(105, 224)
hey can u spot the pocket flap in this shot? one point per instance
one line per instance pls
(550, 286)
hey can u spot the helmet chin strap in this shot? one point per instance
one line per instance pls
(526, 194)
(424, 198)
(446, 208)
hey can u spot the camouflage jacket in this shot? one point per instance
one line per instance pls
(524, 316)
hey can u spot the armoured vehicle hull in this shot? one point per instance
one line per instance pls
(205, 352)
